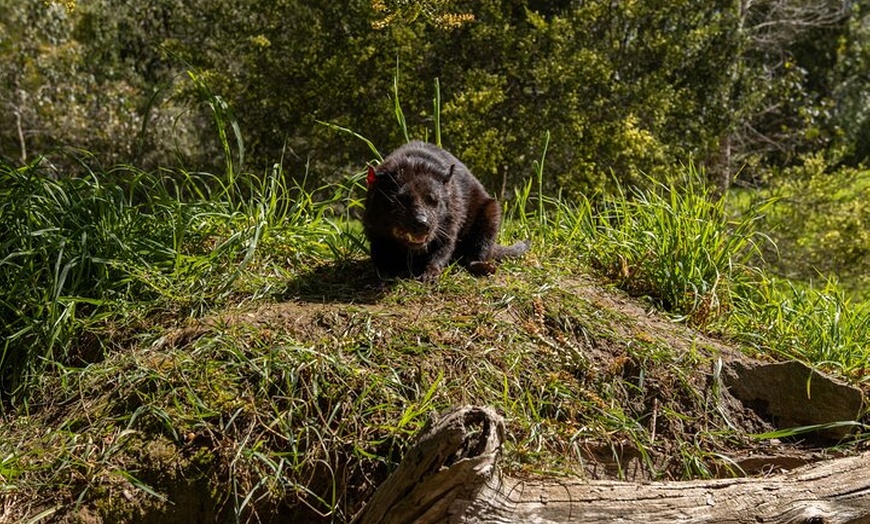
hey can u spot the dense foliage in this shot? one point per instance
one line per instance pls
(623, 87)
(819, 225)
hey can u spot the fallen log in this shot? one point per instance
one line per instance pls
(451, 476)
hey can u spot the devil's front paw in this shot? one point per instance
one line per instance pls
(431, 273)
(481, 267)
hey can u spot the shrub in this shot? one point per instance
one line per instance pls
(819, 224)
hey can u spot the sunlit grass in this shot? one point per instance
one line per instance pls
(676, 243)
(820, 326)
(83, 257)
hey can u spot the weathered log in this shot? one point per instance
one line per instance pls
(452, 459)
(451, 476)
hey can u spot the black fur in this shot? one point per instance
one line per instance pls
(424, 210)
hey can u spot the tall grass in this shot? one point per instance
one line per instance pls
(62, 248)
(80, 257)
(672, 241)
(789, 320)
(675, 243)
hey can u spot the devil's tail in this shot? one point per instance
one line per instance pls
(514, 251)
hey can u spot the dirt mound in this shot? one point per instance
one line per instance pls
(297, 409)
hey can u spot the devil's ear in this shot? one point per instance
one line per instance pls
(446, 178)
(370, 177)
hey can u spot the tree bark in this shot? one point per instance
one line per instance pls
(451, 476)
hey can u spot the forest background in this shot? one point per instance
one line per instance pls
(768, 97)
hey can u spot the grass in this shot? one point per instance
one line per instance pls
(300, 405)
(226, 340)
(674, 243)
(820, 326)
(81, 256)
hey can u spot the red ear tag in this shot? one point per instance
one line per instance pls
(370, 178)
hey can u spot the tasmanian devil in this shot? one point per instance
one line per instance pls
(424, 210)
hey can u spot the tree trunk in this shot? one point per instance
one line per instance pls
(451, 476)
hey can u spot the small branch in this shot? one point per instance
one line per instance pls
(17, 108)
